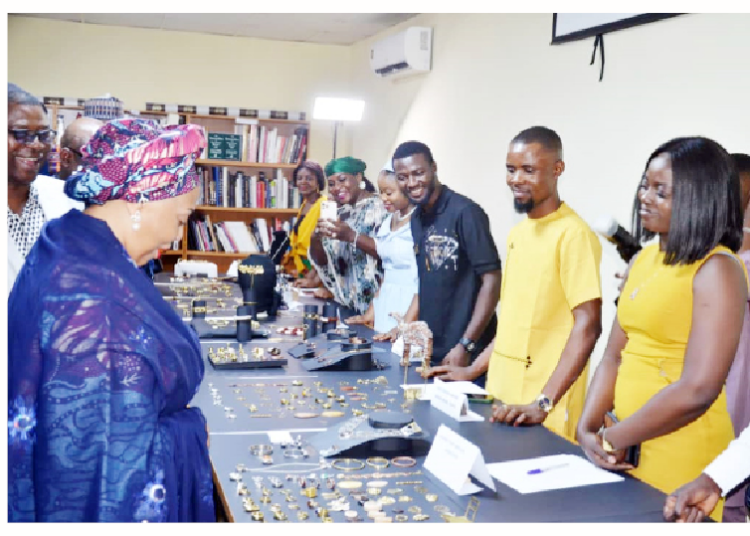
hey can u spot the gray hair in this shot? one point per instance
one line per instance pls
(20, 97)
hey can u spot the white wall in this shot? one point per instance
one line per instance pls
(137, 65)
(494, 75)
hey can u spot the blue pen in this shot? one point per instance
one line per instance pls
(545, 469)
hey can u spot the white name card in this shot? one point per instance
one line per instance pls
(452, 459)
(453, 402)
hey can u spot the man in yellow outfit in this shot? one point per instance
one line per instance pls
(550, 300)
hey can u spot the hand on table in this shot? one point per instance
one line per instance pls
(592, 446)
(693, 501)
(367, 319)
(452, 373)
(517, 414)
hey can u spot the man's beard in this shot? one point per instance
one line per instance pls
(523, 207)
(426, 199)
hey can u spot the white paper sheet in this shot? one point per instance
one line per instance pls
(576, 472)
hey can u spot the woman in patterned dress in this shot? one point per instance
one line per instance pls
(349, 268)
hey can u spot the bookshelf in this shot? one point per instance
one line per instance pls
(273, 164)
(284, 163)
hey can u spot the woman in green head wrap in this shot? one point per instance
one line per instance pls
(345, 260)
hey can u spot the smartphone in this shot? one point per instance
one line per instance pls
(480, 399)
(328, 210)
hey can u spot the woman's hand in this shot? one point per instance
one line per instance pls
(451, 373)
(592, 446)
(390, 336)
(517, 414)
(338, 230)
(323, 293)
(360, 320)
(306, 282)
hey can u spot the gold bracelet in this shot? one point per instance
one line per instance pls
(403, 461)
(348, 464)
(378, 462)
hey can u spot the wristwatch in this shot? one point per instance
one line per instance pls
(545, 404)
(468, 344)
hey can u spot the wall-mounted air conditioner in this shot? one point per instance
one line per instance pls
(402, 54)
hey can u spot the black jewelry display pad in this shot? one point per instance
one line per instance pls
(335, 440)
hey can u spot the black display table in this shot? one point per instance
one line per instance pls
(226, 393)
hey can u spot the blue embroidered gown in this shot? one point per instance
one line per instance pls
(101, 370)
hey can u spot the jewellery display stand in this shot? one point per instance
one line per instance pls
(387, 437)
(346, 356)
(329, 312)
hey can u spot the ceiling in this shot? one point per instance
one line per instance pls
(326, 28)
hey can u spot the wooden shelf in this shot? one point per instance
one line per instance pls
(261, 211)
(260, 120)
(239, 163)
(220, 254)
(172, 252)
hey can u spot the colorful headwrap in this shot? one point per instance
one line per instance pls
(137, 160)
(347, 164)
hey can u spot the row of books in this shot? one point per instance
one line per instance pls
(233, 236)
(220, 188)
(258, 144)
(263, 144)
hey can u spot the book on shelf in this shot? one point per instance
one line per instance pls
(256, 143)
(233, 236)
(221, 188)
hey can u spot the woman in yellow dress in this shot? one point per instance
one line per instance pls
(678, 323)
(309, 179)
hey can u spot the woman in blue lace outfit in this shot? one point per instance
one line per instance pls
(101, 369)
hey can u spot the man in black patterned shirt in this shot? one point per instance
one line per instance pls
(32, 199)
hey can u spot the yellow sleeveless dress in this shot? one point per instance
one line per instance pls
(655, 311)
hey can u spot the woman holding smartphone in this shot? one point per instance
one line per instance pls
(678, 323)
(348, 265)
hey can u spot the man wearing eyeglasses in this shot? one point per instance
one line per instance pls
(77, 134)
(33, 199)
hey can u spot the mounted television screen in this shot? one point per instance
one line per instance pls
(572, 26)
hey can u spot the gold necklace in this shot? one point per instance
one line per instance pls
(645, 283)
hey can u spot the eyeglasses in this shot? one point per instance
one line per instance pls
(79, 153)
(22, 135)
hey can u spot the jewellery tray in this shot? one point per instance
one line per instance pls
(243, 365)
